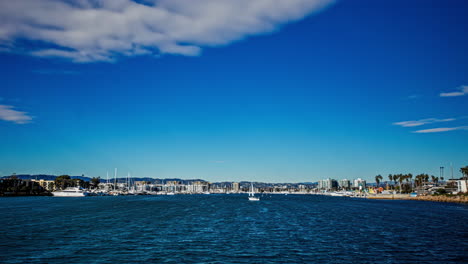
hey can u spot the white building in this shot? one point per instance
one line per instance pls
(462, 186)
(344, 184)
(327, 184)
(198, 187)
(359, 183)
(235, 187)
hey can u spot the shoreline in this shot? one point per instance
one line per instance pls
(463, 199)
(430, 198)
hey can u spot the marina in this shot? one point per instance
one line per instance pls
(233, 131)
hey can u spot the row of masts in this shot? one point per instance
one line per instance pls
(128, 180)
(441, 174)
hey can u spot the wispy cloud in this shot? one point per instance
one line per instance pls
(441, 129)
(217, 161)
(7, 113)
(422, 122)
(104, 30)
(413, 96)
(461, 91)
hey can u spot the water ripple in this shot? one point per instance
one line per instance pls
(230, 229)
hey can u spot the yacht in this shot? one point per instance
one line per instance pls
(70, 192)
(252, 194)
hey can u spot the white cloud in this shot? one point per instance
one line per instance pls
(103, 30)
(462, 90)
(7, 113)
(413, 96)
(422, 122)
(441, 129)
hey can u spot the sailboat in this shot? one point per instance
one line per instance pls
(252, 194)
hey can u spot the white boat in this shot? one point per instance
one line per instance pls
(252, 194)
(70, 192)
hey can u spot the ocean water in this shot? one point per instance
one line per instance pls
(230, 229)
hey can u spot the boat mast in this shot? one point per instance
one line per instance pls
(451, 168)
(129, 181)
(115, 178)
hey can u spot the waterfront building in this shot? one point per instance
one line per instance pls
(235, 187)
(344, 184)
(462, 185)
(302, 188)
(198, 187)
(359, 184)
(48, 185)
(327, 184)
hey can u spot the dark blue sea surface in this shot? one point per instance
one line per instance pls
(230, 229)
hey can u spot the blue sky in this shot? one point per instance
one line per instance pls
(300, 92)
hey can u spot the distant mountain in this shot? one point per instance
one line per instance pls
(154, 180)
(44, 177)
(84, 178)
(36, 176)
(81, 178)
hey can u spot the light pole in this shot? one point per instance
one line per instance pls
(441, 172)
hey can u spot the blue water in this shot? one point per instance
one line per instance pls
(230, 229)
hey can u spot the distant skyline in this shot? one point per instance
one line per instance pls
(272, 91)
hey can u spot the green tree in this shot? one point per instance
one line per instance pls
(401, 178)
(406, 188)
(395, 179)
(95, 182)
(378, 178)
(63, 181)
(464, 171)
(410, 177)
(418, 179)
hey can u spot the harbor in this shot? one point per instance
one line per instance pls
(80, 186)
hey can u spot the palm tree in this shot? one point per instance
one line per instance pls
(390, 177)
(410, 176)
(378, 178)
(433, 178)
(401, 178)
(419, 179)
(407, 177)
(464, 171)
(395, 179)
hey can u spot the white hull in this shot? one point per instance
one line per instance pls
(70, 192)
(252, 194)
(63, 194)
